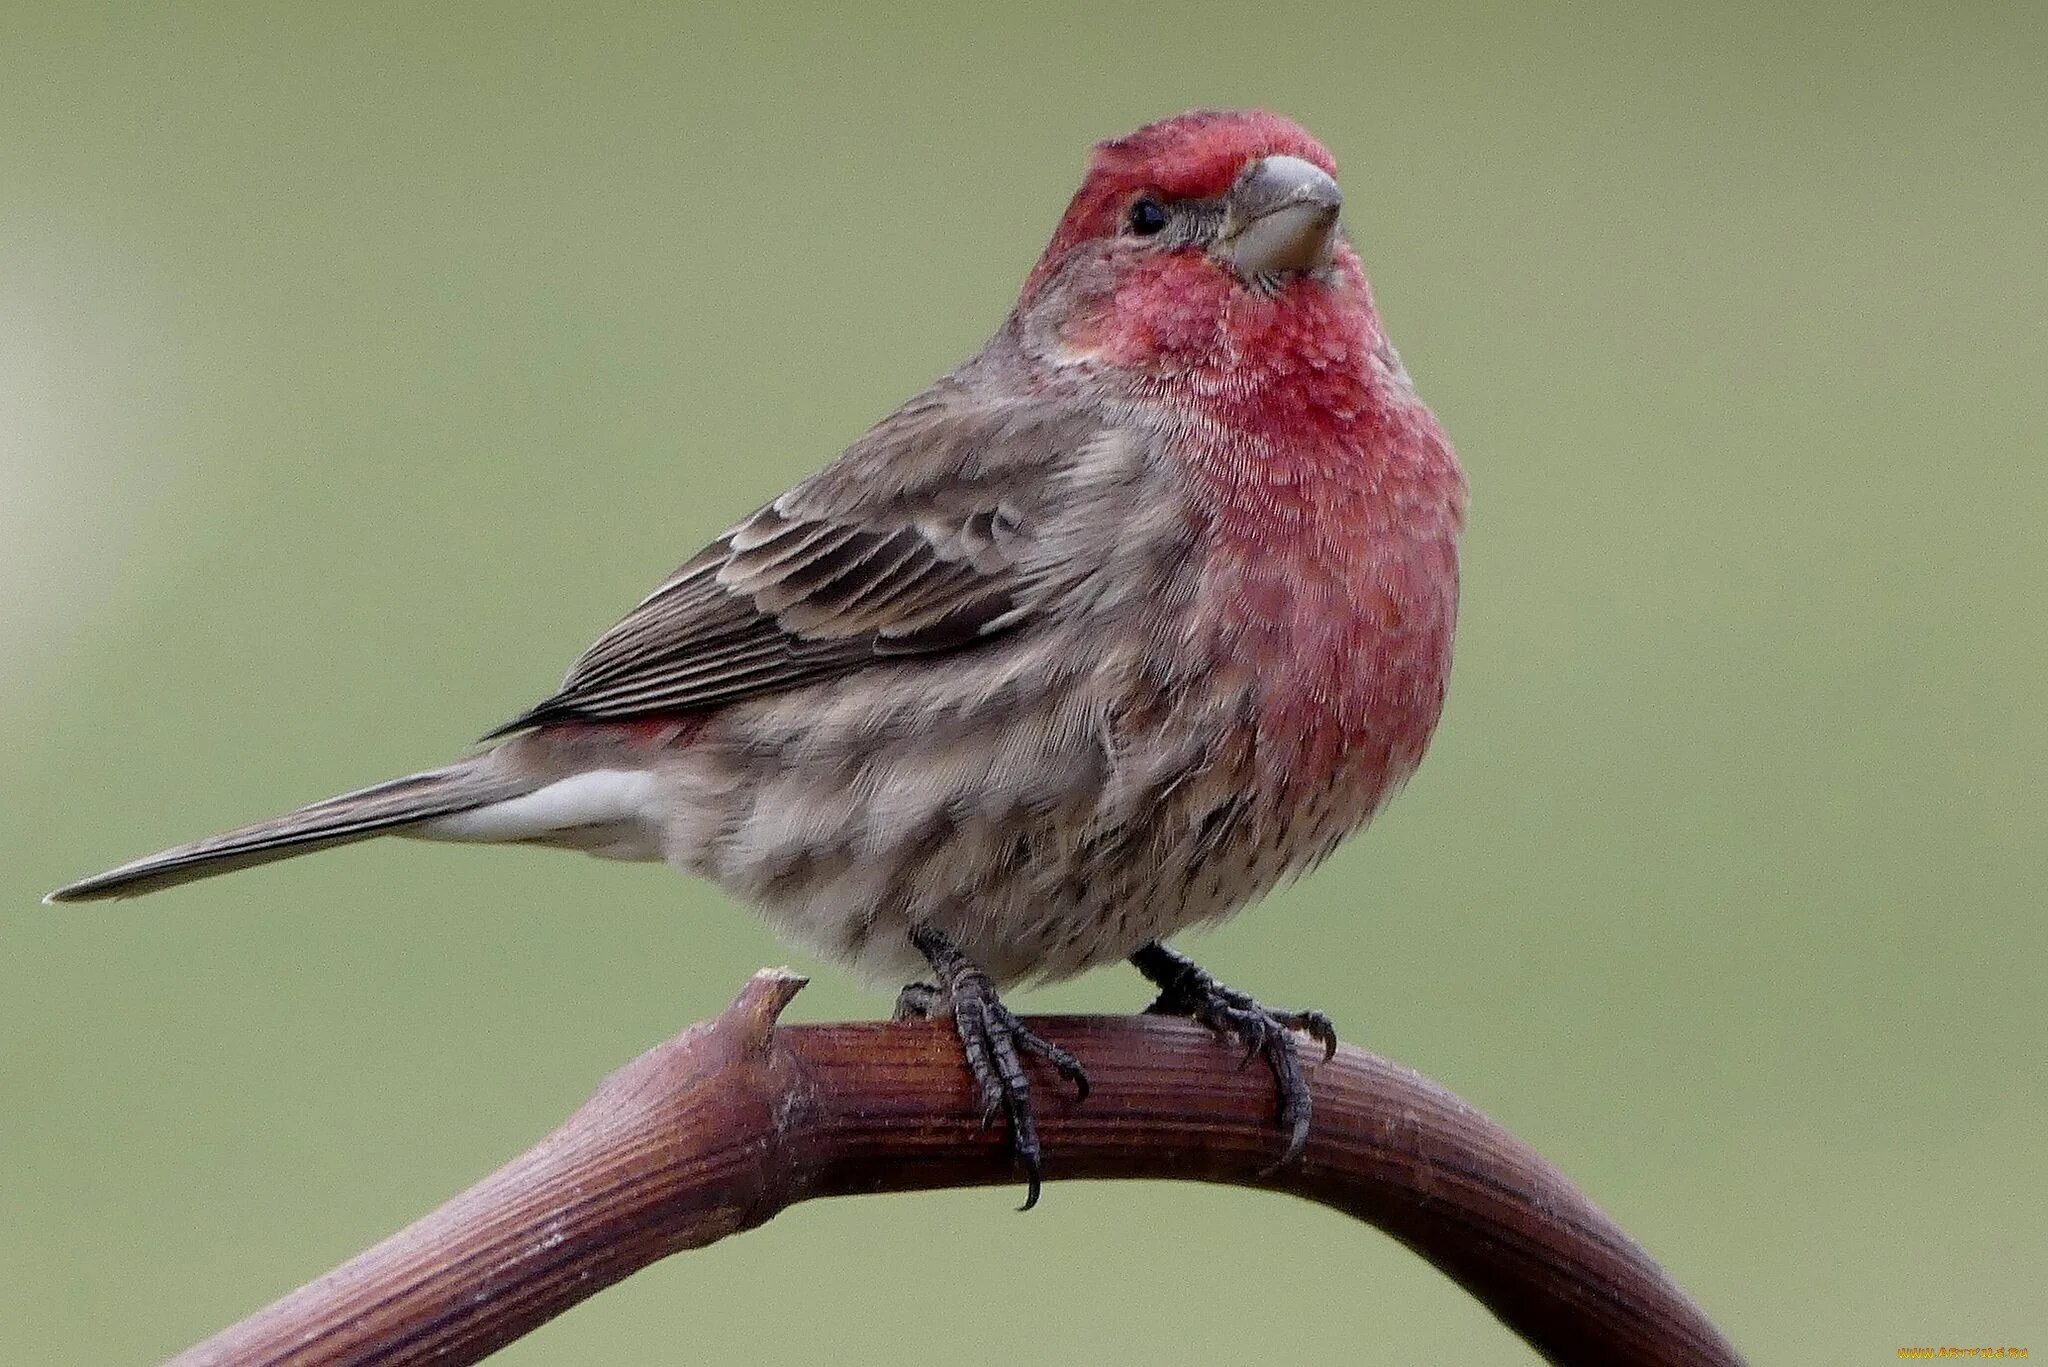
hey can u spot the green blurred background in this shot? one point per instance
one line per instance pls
(359, 363)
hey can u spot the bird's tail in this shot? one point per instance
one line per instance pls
(385, 809)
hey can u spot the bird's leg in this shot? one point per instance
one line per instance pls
(994, 1041)
(1186, 990)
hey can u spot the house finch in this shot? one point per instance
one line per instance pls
(1141, 610)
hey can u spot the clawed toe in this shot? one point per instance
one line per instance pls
(1315, 1025)
(916, 1002)
(995, 1044)
(1186, 990)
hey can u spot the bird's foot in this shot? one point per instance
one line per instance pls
(917, 1002)
(994, 1041)
(1185, 989)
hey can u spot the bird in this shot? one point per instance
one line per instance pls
(1134, 615)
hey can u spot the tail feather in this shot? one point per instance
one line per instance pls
(378, 810)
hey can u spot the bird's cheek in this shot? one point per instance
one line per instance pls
(1104, 336)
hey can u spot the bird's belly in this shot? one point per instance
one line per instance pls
(1027, 901)
(1044, 836)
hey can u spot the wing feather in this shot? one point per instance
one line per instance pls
(907, 545)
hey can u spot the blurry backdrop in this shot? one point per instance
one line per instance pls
(359, 363)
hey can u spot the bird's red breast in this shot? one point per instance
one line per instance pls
(1332, 501)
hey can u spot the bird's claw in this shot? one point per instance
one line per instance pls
(1187, 990)
(917, 1002)
(995, 1043)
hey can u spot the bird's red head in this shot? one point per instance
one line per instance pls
(1194, 156)
(1206, 250)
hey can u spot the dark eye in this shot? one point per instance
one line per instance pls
(1146, 217)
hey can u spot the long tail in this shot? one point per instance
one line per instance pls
(382, 810)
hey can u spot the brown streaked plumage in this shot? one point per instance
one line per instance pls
(1138, 612)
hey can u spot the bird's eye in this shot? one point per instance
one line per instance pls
(1146, 218)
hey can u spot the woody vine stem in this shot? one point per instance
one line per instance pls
(733, 1120)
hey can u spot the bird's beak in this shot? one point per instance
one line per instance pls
(1280, 216)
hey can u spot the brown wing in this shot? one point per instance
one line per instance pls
(909, 544)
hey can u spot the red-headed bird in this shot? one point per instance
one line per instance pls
(1141, 610)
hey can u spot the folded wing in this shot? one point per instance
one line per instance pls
(947, 525)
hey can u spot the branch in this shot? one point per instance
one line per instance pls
(733, 1120)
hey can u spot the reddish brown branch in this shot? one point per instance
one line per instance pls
(733, 1120)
